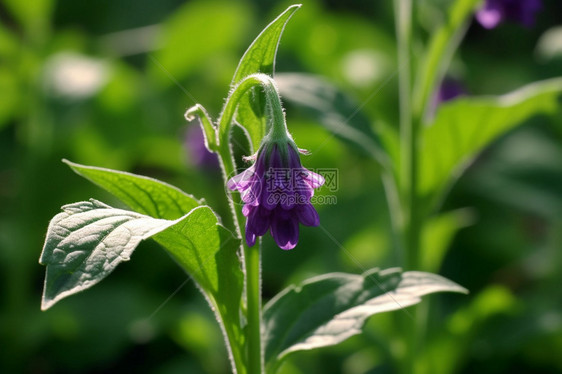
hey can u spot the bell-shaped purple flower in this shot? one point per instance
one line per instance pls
(496, 11)
(276, 192)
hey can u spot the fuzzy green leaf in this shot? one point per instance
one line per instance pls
(259, 58)
(142, 194)
(89, 239)
(330, 308)
(86, 242)
(189, 232)
(465, 126)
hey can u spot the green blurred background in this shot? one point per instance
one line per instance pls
(106, 83)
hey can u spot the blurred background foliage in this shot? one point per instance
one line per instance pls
(106, 83)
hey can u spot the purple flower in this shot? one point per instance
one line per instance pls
(448, 90)
(199, 155)
(496, 11)
(276, 191)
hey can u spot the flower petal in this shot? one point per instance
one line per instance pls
(251, 195)
(314, 180)
(269, 198)
(307, 215)
(250, 237)
(242, 181)
(294, 158)
(285, 229)
(259, 221)
(247, 209)
(288, 199)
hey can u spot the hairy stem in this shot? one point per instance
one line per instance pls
(251, 255)
(253, 294)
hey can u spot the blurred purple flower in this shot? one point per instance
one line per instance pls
(276, 191)
(448, 90)
(496, 11)
(199, 155)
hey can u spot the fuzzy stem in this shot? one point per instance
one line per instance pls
(253, 293)
(251, 255)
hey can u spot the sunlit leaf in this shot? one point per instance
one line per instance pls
(465, 126)
(142, 194)
(86, 242)
(260, 55)
(89, 239)
(259, 58)
(330, 308)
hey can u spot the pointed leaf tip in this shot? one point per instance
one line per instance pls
(259, 58)
(86, 242)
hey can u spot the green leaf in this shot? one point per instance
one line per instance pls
(259, 58)
(86, 242)
(89, 239)
(260, 55)
(142, 194)
(465, 126)
(330, 308)
(333, 109)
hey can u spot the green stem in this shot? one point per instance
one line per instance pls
(251, 81)
(413, 109)
(227, 166)
(253, 293)
(408, 136)
(251, 255)
(408, 175)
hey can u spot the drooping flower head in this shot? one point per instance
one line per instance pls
(276, 192)
(496, 11)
